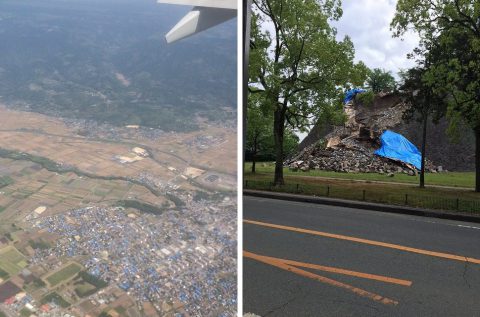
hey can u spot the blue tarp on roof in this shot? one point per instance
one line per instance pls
(396, 146)
(351, 94)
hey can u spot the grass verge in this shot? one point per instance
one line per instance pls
(453, 179)
(449, 199)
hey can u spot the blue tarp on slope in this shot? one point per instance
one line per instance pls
(351, 94)
(396, 146)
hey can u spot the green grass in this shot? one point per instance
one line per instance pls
(395, 194)
(64, 274)
(454, 179)
(2, 314)
(85, 289)
(39, 244)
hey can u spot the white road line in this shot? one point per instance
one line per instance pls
(469, 227)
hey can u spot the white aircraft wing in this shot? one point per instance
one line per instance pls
(204, 15)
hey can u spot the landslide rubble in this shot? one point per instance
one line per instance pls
(350, 148)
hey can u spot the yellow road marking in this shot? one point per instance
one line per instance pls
(330, 269)
(366, 241)
(282, 265)
(380, 278)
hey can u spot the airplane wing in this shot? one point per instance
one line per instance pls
(204, 15)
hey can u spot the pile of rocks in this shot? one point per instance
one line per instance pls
(351, 160)
(350, 148)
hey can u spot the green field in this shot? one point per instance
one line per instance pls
(64, 274)
(11, 260)
(85, 289)
(454, 179)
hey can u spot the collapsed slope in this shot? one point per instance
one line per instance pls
(350, 148)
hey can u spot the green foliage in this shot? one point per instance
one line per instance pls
(92, 279)
(298, 71)
(88, 284)
(201, 195)
(449, 31)
(366, 98)
(259, 139)
(425, 101)
(39, 244)
(141, 206)
(379, 80)
(321, 143)
(176, 200)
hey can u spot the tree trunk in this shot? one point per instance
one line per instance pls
(477, 159)
(254, 156)
(278, 131)
(424, 142)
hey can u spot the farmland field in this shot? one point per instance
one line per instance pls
(11, 260)
(64, 274)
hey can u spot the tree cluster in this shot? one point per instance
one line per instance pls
(449, 55)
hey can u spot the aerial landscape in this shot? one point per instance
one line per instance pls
(112, 198)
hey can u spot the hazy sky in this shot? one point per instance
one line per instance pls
(367, 22)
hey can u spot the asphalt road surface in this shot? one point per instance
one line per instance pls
(305, 259)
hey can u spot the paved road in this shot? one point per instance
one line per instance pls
(303, 259)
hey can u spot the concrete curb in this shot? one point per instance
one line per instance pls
(365, 205)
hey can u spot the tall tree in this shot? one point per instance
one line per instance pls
(259, 136)
(380, 80)
(296, 63)
(427, 104)
(455, 26)
(259, 130)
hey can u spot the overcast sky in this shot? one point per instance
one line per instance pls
(367, 22)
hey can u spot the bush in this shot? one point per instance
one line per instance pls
(366, 98)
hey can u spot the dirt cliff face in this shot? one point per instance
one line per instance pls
(354, 142)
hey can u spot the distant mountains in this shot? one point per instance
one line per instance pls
(108, 61)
